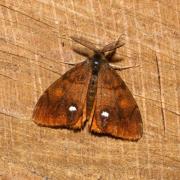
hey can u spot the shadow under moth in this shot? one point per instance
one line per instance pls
(91, 91)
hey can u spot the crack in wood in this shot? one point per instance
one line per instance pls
(160, 88)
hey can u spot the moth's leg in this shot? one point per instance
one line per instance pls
(122, 68)
(70, 63)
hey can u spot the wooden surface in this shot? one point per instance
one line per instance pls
(34, 43)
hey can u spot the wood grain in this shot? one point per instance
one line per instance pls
(34, 47)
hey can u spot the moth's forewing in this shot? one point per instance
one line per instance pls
(63, 104)
(116, 112)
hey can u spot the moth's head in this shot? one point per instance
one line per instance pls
(91, 51)
(98, 56)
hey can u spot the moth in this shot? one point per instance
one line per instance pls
(91, 91)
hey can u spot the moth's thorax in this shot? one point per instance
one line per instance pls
(96, 61)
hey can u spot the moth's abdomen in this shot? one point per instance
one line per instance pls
(91, 95)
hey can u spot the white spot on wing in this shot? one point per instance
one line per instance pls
(72, 108)
(105, 114)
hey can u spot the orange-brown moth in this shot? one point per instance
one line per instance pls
(92, 91)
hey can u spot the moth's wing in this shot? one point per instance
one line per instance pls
(115, 111)
(63, 103)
